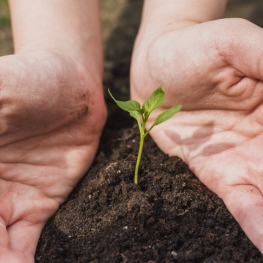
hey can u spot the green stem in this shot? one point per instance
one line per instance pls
(142, 137)
(136, 174)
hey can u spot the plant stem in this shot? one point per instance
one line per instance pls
(136, 174)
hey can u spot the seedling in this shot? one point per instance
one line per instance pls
(142, 113)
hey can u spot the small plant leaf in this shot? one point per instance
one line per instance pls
(155, 101)
(130, 105)
(137, 116)
(166, 115)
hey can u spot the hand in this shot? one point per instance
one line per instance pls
(216, 71)
(51, 116)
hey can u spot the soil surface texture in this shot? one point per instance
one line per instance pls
(168, 217)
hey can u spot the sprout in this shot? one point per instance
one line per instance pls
(142, 113)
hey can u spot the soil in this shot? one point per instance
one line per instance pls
(170, 216)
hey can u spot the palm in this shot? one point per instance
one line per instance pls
(219, 131)
(51, 119)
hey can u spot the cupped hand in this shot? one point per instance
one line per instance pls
(51, 116)
(216, 70)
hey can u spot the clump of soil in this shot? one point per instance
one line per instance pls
(168, 217)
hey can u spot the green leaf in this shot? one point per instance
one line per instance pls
(130, 105)
(155, 101)
(137, 116)
(167, 115)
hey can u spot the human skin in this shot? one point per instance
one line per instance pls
(52, 113)
(216, 72)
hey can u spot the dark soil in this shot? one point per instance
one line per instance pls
(168, 217)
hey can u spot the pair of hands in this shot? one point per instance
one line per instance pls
(52, 113)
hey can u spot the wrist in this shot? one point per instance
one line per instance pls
(159, 18)
(86, 58)
(68, 28)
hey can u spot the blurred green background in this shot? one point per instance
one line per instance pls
(4, 13)
(6, 46)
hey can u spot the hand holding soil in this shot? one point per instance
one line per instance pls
(50, 129)
(218, 78)
(52, 114)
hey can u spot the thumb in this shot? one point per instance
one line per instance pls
(23, 238)
(18, 241)
(9, 256)
(245, 202)
(239, 42)
(241, 78)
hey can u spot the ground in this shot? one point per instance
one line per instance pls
(170, 216)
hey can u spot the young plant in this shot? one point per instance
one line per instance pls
(142, 113)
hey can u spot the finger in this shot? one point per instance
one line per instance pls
(245, 202)
(24, 238)
(4, 237)
(6, 254)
